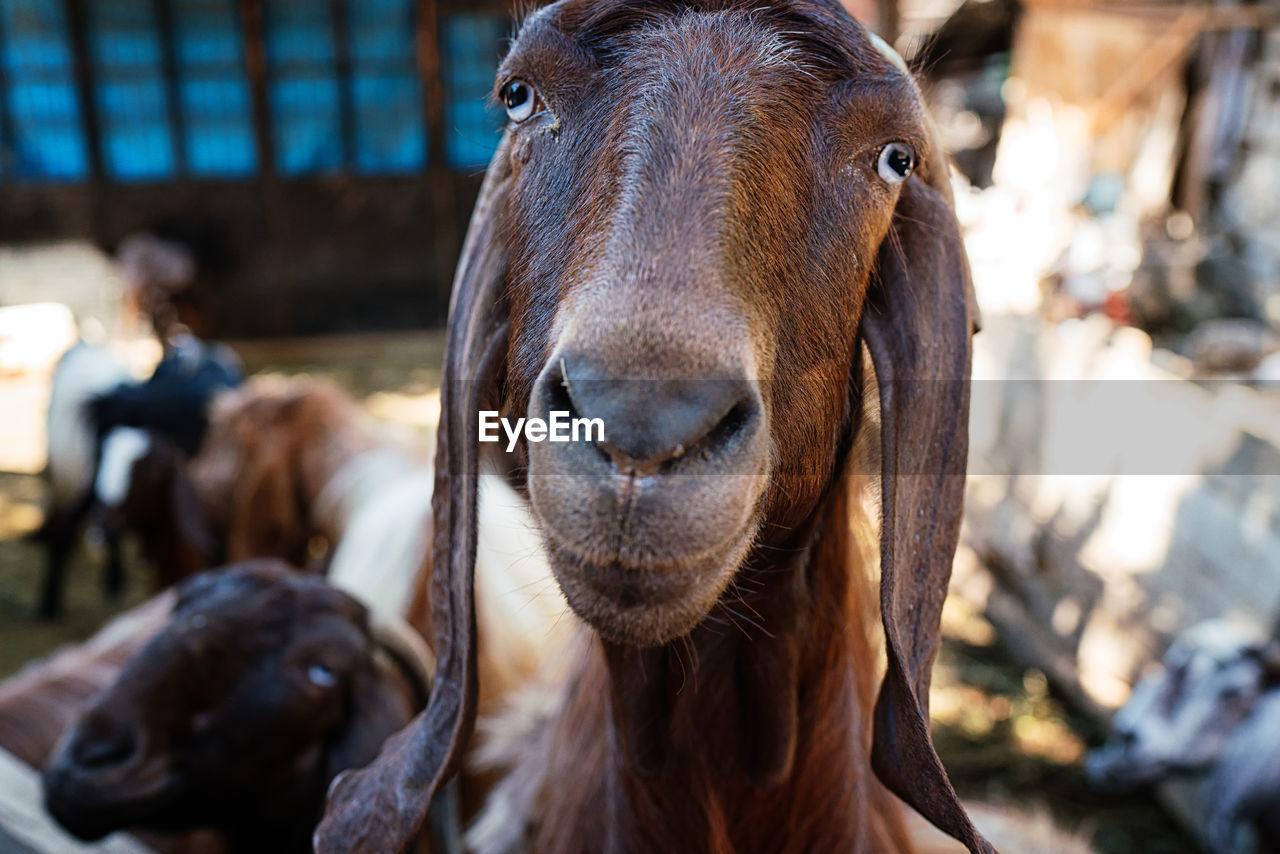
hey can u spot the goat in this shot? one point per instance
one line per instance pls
(1212, 709)
(380, 555)
(1178, 718)
(269, 475)
(261, 687)
(84, 372)
(100, 435)
(174, 401)
(701, 213)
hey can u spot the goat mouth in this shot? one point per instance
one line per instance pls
(91, 806)
(643, 606)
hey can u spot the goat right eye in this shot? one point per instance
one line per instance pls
(519, 99)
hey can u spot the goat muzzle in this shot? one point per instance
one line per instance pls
(677, 455)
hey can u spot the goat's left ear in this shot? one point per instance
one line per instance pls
(917, 326)
(382, 807)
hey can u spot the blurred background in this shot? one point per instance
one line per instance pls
(293, 178)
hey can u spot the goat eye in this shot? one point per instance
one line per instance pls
(519, 99)
(321, 676)
(896, 162)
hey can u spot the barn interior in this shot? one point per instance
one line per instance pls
(293, 179)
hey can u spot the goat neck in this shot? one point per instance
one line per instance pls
(749, 734)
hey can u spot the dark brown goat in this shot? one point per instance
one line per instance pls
(703, 212)
(262, 686)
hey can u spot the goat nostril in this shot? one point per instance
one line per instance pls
(103, 752)
(727, 429)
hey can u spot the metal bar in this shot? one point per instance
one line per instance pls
(346, 84)
(163, 11)
(255, 58)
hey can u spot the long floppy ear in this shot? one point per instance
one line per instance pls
(381, 808)
(917, 325)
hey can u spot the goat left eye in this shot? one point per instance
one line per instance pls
(896, 162)
(321, 676)
(519, 99)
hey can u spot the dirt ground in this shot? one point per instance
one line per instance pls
(1005, 738)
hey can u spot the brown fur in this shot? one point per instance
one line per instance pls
(550, 803)
(271, 449)
(691, 239)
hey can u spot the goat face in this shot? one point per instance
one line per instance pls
(235, 716)
(701, 212)
(697, 201)
(1177, 720)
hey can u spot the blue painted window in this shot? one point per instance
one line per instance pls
(213, 89)
(201, 122)
(129, 89)
(390, 131)
(303, 87)
(474, 43)
(43, 129)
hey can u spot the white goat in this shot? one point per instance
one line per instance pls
(1178, 719)
(84, 372)
(1213, 708)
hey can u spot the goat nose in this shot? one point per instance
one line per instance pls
(103, 750)
(648, 422)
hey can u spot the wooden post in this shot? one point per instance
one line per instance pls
(427, 40)
(79, 27)
(255, 59)
(163, 11)
(346, 84)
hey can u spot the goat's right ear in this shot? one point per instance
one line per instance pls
(381, 808)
